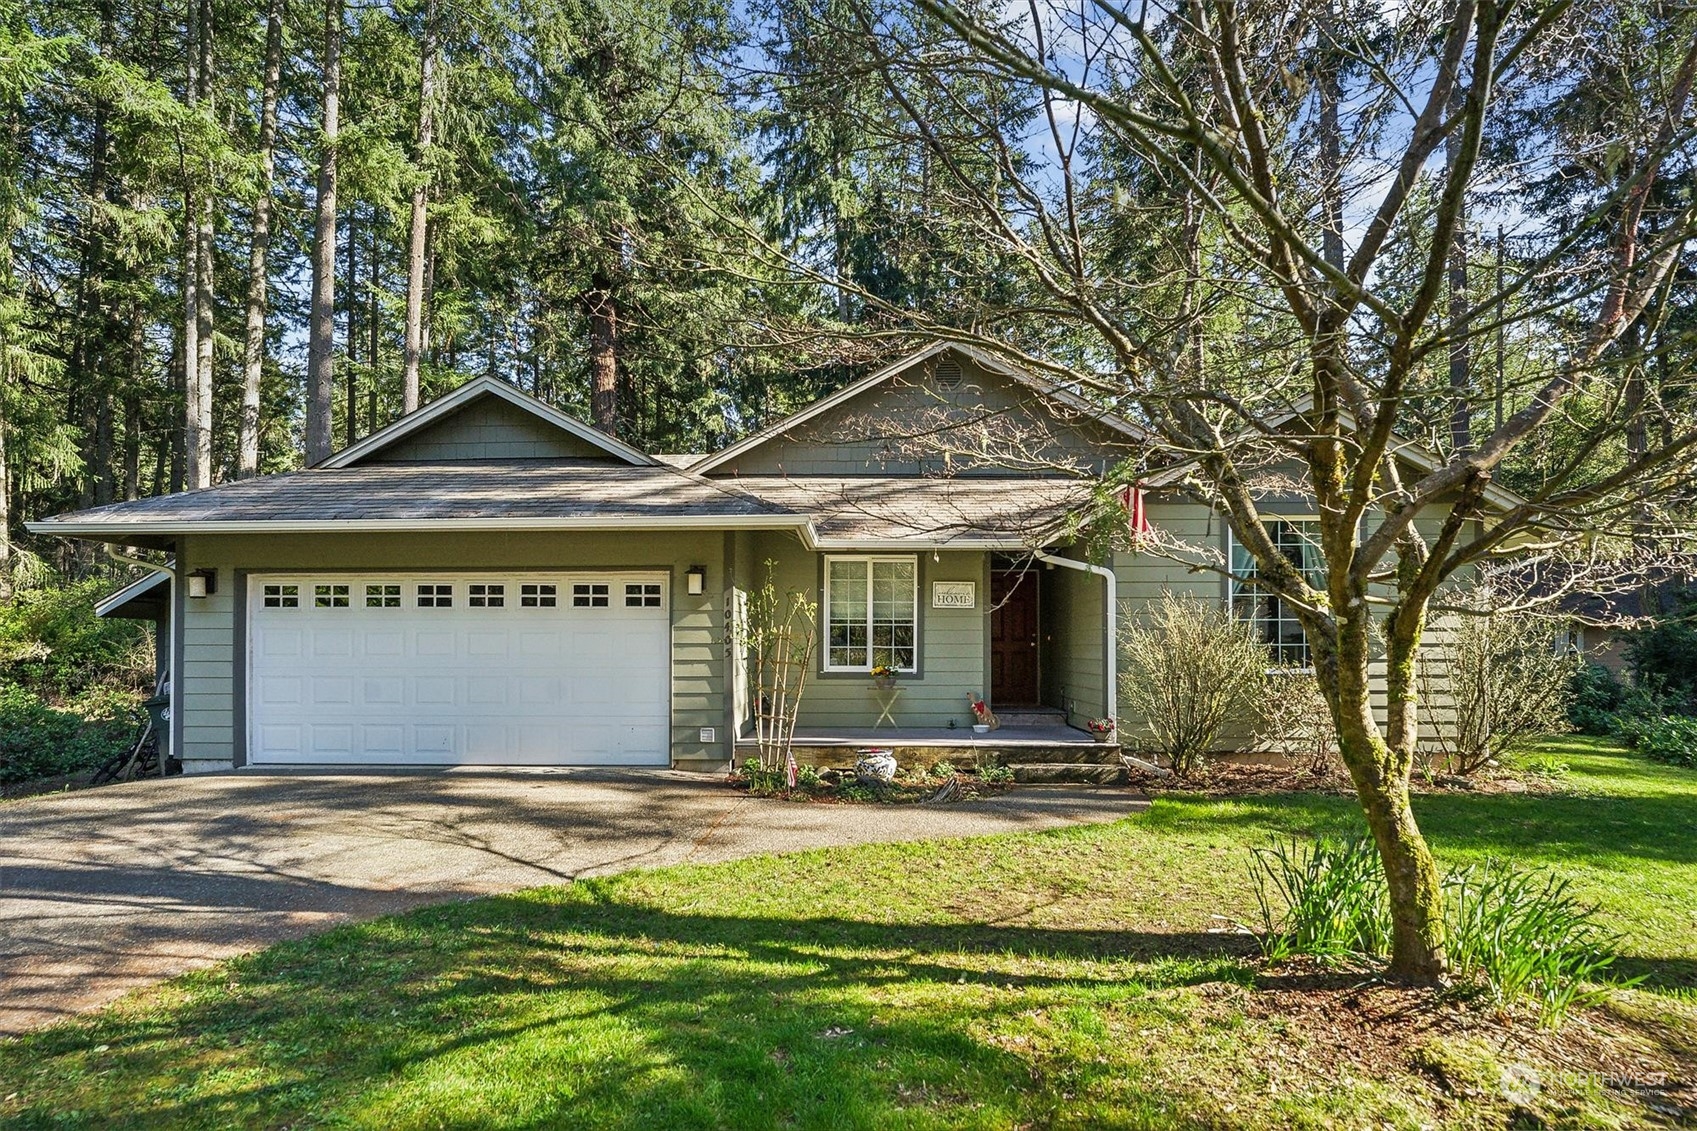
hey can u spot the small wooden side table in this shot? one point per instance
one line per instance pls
(886, 697)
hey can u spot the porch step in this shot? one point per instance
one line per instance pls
(1032, 717)
(1091, 773)
(1101, 754)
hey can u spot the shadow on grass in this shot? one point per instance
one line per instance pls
(575, 1005)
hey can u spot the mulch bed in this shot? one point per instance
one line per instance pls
(839, 789)
(1225, 778)
(1355, 1022)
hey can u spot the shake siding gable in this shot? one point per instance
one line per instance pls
(489, 428)
(897, 427)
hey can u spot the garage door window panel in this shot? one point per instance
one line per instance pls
(383, 596)
(537, 596)
(435, 596)
(591, 595)
(282, 597)
(330, 596)
(485, 596)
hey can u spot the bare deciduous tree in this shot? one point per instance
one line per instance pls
(1247, 246)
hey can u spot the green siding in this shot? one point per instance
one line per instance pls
(874, 433)
(210, 678)
(706, 688)
(1142, 579)
(489, 428)
(952, 643)
(1074, 656)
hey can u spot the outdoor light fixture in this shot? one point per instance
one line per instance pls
(696, 577)
(203, 583)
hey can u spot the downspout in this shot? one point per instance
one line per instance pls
(1112, 603)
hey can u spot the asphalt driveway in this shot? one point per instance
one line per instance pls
(108, 889)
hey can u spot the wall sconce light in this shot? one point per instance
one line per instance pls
(695, 579)
(203, 583)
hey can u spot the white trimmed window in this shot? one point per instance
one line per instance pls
(1275, 622)
(871, 613)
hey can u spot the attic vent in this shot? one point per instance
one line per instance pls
(948, 375)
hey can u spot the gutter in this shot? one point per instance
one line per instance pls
(1112, 603)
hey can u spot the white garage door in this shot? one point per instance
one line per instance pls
(475, 669)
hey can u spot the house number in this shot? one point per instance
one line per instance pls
(953, 595)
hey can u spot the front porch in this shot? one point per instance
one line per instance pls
(1038, 753)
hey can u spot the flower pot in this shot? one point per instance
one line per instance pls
(980, 728)
(884, 682)
(1102, 735)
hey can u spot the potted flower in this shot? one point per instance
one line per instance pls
(1102, 730)
(883, 677)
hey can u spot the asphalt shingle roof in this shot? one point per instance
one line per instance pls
(532, 489)
(965, 511)
(961, 511)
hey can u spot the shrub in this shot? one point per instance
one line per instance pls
(1296, 719)
(1507, 684)
(1328, 901)
(52, 643)
(1521, 936)
(1512, 935)
(1191, 670)
(1594, 697)
(37, 740)
(1670, 738)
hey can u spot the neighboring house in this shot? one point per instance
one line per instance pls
(491, 581)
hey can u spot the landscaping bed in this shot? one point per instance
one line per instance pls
(1239, 776)
(938, 783)
(1090, 977)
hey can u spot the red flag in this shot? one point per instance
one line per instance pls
(1137, 516)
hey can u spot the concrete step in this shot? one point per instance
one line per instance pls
(1032, 717)
(907, 754)
(1092, 773)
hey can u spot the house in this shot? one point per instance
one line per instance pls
(491, 581)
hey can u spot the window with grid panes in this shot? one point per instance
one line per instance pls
(1275, 622)
(281, 597)
(382, 596)
(435, 596)
(643, 596)
(871, 613)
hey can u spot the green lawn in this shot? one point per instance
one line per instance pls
(1064, 979)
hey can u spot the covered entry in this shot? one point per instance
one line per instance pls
(468, 669)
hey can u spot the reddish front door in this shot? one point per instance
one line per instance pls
(1013, 639)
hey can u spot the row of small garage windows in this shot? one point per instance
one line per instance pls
(479, 595)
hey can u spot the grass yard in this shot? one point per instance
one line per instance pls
(1064, 979)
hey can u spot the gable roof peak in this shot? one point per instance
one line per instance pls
(478, 387)
(983, 358)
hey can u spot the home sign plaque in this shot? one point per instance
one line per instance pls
(954, 595)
